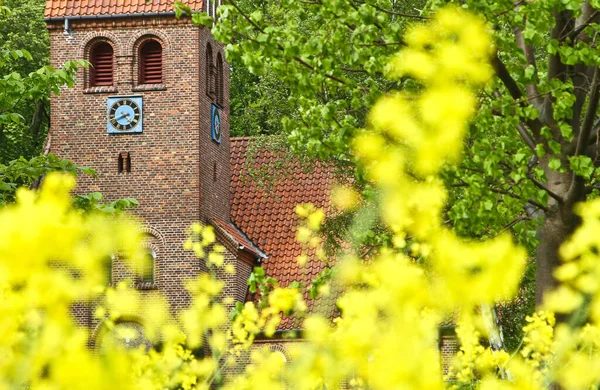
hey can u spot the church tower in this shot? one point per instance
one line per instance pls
(151, 116)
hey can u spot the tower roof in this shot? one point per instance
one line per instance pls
(99, 8)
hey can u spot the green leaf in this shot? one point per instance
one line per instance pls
(582, 166)
(554, 164)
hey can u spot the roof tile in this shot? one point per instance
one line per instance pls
(68, 8)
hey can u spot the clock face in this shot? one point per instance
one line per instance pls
(124, 115)
(216, 125)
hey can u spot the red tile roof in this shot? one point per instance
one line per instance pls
(65, 8)
(266, 214)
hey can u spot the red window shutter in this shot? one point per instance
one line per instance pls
(101, 59)
(151, 63)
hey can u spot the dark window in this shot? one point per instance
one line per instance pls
(219, 77)
(210, 72)
(151, 63)
(109, 263)
(101, 59)
(120, 162)
(147, 275)
(124, 162)
(128, 163)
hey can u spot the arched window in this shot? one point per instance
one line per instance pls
(219, 77)
(150, 62)
(108, 262)
(101, 60)
(147, 274)
(210, 72)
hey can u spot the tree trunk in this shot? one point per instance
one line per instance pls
(559, 223)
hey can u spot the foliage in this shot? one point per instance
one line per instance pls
(331, 56)
(257, 103)
(532, 150)
(27, 80)
(27, 173)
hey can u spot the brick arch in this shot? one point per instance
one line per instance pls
(101, 329)
(141, 36)
(154, 233)
(90, 40)
(134, 44)
(97, 36)
(282, 349)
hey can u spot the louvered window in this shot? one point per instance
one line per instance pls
(220, 87)
(210, 72)
(101, 59)
(151, 63)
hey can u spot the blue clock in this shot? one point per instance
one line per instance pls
(124, 114)
(215, 125)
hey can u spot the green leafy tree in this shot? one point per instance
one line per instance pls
(532, 152)
(27, 80)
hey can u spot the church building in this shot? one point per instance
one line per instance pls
(151, 116)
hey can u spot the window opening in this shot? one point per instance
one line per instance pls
(210, 72)
(151, 63)
(120, 163)
(109, 265)
(219, 77)
(124, 162)
(128, 163)
(147, 275)
(215, 171)
(101, 59)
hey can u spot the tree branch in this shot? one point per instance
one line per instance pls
(518, 3)
(527, 138)
(590, 115)
(555, 66)
(400, 13)
(401, 43)
(514, 222)
(539, 185)
(530, 88)
(295, 58)
(513, 88)
(515, 196)
(578, 29)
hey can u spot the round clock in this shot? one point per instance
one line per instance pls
(217, 120)
(124, 114)
(216, 125)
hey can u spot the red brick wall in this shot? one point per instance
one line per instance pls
(449, 347)
(173, 159)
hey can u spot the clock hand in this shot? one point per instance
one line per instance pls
(123, 115)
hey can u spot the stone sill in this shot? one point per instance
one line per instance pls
(149, 87)
(146, 286)
(139, 285)
(102, 89)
